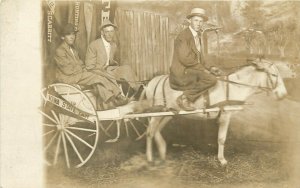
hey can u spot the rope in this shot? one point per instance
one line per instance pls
(246, 85)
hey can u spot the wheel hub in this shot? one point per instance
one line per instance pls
(60, 127)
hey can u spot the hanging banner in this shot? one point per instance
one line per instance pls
(76, 14)
(105, 10)
(50, 13)
(88, 17)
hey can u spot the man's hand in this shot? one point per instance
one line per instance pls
(113, 63)
(215, 71)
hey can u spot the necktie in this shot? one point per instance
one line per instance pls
(197, 42)
(72, 52)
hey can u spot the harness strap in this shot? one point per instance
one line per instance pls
(164, 91)
(242, 84)
(227, 89)
(154, 92)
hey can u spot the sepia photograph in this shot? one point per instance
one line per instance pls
(142, 94)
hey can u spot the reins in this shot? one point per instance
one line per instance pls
(252, 86)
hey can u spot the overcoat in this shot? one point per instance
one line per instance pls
(69, 67)
(71, 70)
(186, 59)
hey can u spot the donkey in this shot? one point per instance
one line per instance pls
(261, 75)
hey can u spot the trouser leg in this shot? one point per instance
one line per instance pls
(125, 72)
(204, 81)
(104, 87)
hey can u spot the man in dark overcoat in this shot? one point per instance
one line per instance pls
(188, 71)
(71, 70)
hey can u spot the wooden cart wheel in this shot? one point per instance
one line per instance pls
(134, 127)
(70, 125)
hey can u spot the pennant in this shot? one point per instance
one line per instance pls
(50, 13)
(65, 106)
(76, 14)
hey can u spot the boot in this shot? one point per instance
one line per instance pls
(184, 103)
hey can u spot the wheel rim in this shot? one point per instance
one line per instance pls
(67, 137)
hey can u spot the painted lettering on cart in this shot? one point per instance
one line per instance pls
(67, 106)
(53, 99)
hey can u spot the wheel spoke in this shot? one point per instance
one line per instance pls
(91, 134)
(138, 138)
(71, 121)
(62, 118)
(54, 121)
(50, 142)
(144, 124)
(82, 97)
(82, 129)
(49, 125)
(48, 132)
(65, 149)
(78, 138)
(57, 149)
(102, 128)
(109, 126)
(74, 147)
(134, 128)
(55, 116)
(126, 128)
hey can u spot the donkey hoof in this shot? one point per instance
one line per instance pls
(151, 163)
(223, 162)
(160, 163)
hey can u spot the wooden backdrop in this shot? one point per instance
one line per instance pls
(144, 42)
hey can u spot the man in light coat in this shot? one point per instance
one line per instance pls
(102, 57)
(71, 70)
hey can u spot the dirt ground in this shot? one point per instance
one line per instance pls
(262, 148)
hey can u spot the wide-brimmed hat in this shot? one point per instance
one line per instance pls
(68, 29)
(106, 23)
(197, 12)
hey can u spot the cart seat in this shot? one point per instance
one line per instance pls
(84, 87)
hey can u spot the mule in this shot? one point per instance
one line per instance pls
(235, 89)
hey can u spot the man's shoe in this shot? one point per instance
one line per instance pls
(184, 103)
(120, 100)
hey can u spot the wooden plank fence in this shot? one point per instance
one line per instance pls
(144, 42)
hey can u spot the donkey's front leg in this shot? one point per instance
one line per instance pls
(151, 130)
(223, 128)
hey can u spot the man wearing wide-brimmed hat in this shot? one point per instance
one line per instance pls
(188, 71)
(71, 70)
(103, 56)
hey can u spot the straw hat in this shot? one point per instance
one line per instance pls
(198, 12)
(106, 23)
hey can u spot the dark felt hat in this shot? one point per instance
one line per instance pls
(68, 29)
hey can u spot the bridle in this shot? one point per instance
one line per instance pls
(269, 75)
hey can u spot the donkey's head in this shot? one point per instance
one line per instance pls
(274, 80)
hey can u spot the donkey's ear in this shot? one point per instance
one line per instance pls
(258, 65)
(261, 56)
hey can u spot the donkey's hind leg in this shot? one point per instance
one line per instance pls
(224, 120)
(160, 141)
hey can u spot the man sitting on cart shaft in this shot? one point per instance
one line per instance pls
(103, 57)
(188, 71)
(71, 70)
